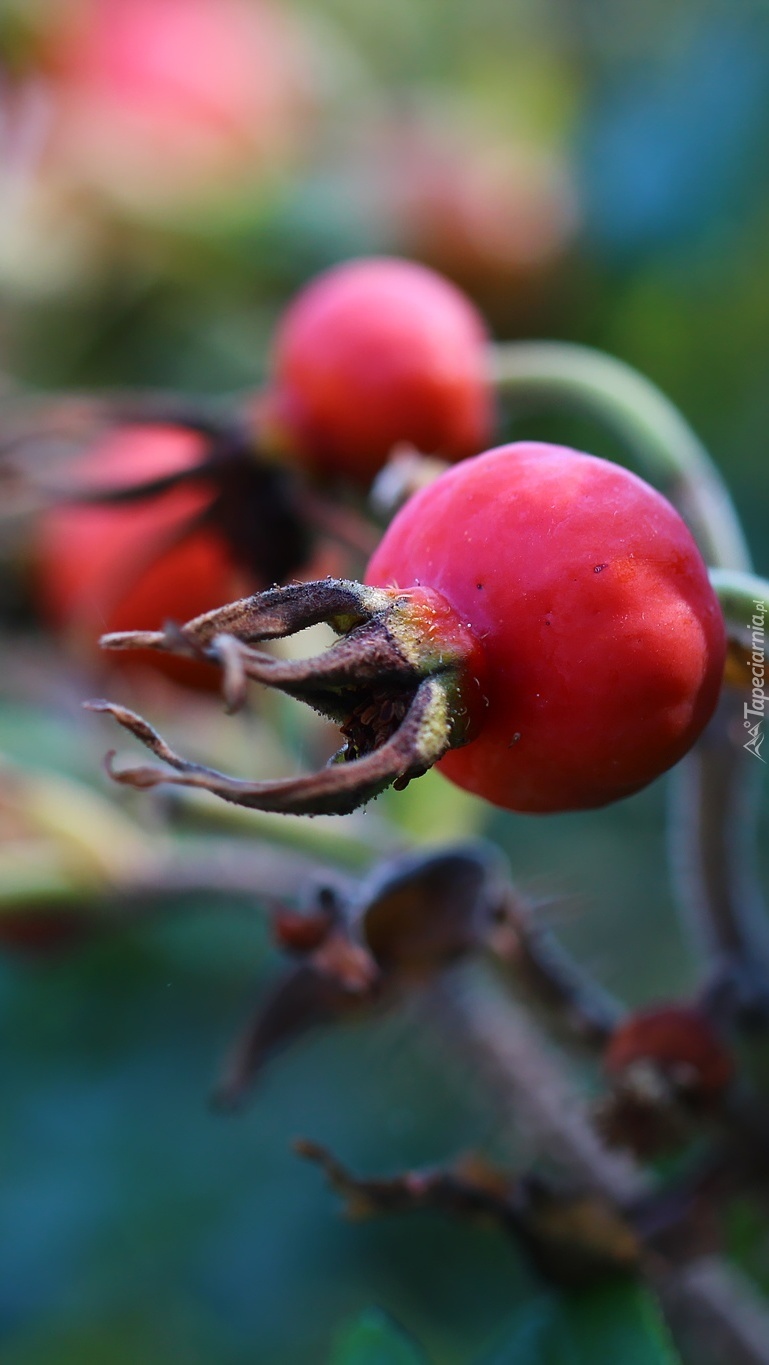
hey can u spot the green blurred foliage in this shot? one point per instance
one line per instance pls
(617, 1322)
(373, 1339)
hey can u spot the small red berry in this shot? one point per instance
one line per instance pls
(494, 216)
(301, 933)
(680, 1042)
(374, 353)
(110, 567)
(603, 639)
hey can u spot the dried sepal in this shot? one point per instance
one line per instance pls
(336, 976)
(422, 911)
(360, 945)
(306, 998)
(391, 683)
(404, 924)
(266, 616)
(254, 504)
(337, 789)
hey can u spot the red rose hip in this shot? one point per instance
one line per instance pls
(538, 623)
(376, 352)
(680, 1042)
(604, 641)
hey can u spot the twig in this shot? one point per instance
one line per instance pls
(645, 421)
(227, 867)
(712, 850)
(35, 872)
(711, 799)
(574, 1239)
(712, 827)
(531, 1088)
(714, 1312)
(547, 974)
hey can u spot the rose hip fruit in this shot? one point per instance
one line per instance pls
(603, 639)
(680, 1042)
(538, 623)
(110, 566)
(373, 353)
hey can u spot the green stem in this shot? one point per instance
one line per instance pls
(713, 823)
(738, 594)
(349, 841)
(712, 833)
(36, 877)
(647, 423)
(714, 789)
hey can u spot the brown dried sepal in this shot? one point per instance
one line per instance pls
(406, 922)
(391, 683)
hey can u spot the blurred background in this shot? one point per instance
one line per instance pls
(171, 171)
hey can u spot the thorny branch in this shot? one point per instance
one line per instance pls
(364, 943)
(597, 1211)
(573, 1238)
(712, 863)
(713, 1310)
(715, 1313)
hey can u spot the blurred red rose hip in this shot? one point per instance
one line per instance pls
(137, 564)
(160, 100)
(680, 1042)
(373, 353)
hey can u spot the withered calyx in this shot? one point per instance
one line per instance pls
(397, 684)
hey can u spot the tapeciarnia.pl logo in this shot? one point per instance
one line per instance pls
(754, 711)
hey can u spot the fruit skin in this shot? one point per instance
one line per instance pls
(603, 638)
(131, 566)
(373, 353)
